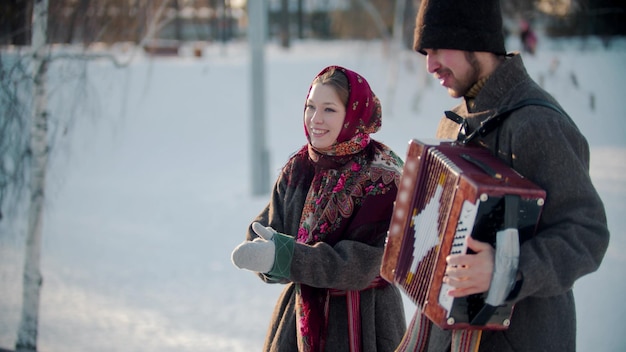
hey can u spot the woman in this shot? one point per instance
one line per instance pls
(323, 231)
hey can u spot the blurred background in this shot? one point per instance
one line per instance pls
(90, 22)
(130, 131)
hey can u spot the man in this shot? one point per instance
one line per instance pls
(464, 47)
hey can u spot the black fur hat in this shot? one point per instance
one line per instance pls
(468, 25)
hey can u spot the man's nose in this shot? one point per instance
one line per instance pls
(432, 64)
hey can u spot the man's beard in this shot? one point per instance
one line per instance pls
(465, 83)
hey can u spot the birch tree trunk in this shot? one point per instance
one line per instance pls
(32, 280)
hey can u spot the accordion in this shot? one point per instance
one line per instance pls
(447, 192)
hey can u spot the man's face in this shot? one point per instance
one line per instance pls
(455, 69)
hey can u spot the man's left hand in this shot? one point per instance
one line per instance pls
(470, 273)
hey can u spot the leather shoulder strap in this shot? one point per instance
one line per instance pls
(497, 118)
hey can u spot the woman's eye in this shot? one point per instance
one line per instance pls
(329, 110)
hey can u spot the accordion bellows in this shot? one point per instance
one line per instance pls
(447, 192)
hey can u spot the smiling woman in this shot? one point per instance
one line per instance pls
(323, 231)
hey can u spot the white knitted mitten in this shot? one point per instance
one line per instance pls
(256, 255)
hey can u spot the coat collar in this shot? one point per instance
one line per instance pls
(495, 94)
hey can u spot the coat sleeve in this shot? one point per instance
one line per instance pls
(348, 265)
(353, 262)
(572, 235)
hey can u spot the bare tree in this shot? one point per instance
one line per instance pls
(38, 146)
(376, 17)
(26, 142)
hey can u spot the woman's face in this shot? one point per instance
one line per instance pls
(323, 116)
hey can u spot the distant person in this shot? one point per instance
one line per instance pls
(528, 37)
(464, 49)
(323, 231)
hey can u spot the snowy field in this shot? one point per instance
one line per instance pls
(149, 191)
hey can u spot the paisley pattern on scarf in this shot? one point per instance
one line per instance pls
(335, 192)
(333, 197)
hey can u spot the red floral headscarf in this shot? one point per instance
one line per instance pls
(363, 111)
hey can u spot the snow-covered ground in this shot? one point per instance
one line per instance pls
(149, 191)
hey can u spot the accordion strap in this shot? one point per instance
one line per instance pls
(415, 338)
(490, 123)
(466, 340)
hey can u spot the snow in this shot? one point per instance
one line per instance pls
(149, 191)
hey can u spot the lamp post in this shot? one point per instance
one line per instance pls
(259, 154)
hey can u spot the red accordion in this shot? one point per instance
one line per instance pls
(447, 192)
